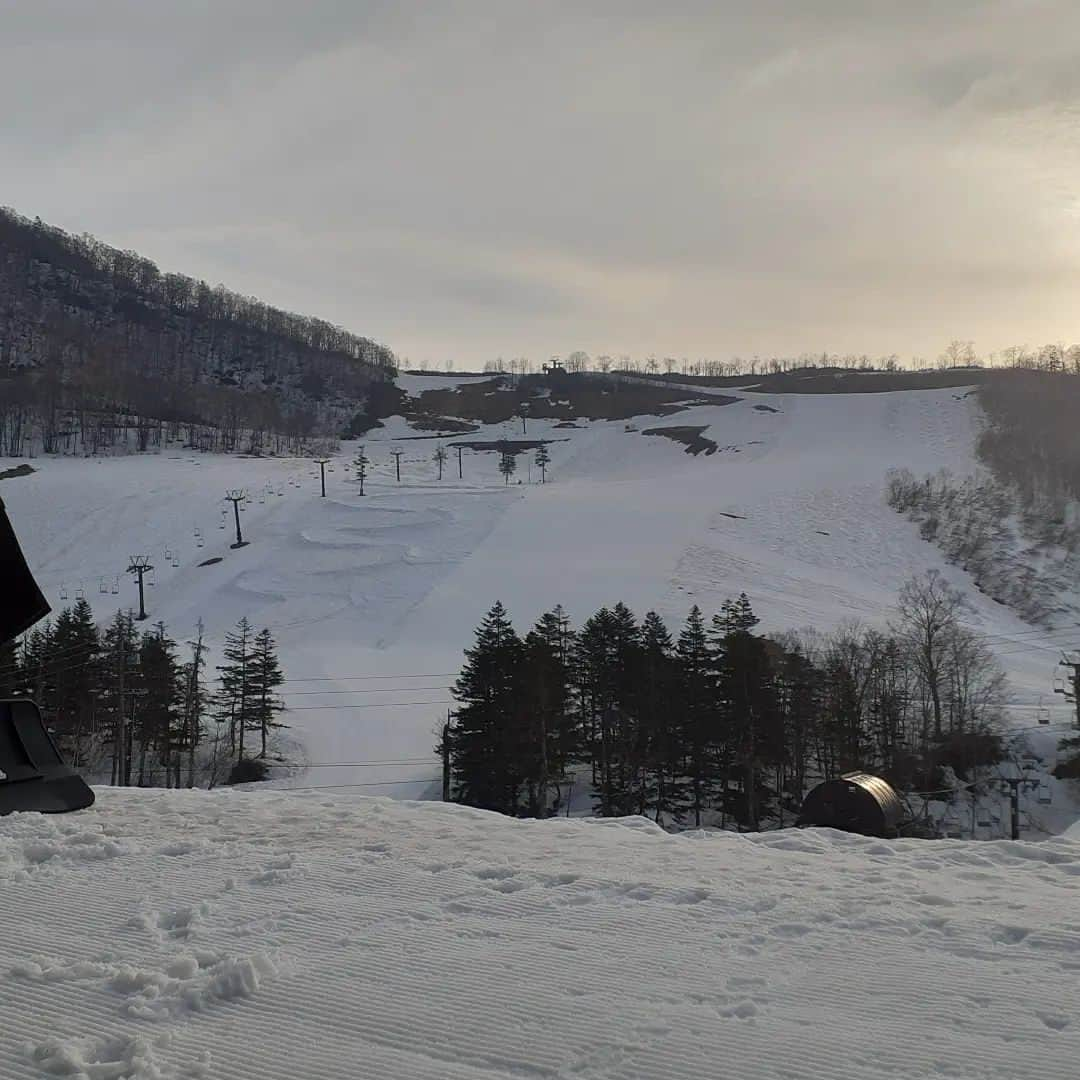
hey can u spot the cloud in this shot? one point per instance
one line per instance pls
(467, 179)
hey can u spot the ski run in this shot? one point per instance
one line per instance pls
(373, 599)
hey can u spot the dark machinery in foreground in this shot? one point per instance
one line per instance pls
(33, 775)
(855, 802)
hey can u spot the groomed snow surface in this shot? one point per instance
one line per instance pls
(291, 935)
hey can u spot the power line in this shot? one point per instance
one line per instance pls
(78, 647)
(350, 764)
(366, 783)
(371, 705)
(50, 670)
(345, 678)
(373, 690)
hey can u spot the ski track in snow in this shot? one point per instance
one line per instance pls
(287, 934)
(790, 509)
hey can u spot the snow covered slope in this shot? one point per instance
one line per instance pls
(286, 935)
(373, 599)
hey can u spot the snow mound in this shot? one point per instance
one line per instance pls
(314, 935)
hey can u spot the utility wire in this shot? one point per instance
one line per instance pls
(368, 783)
(381, 690)
(349, 764)
(370, 705)
(345, 678)
(48, 670)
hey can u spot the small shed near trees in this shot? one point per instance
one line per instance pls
(856, 802)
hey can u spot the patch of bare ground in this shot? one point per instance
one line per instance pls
(563, 397)
(689, 435)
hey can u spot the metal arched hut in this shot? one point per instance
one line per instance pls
(856, 802)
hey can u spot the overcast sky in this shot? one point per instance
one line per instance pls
(467, 180)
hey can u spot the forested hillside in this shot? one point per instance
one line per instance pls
(98, 345)
(1031, 436)
(719, 724)
(1015, 525)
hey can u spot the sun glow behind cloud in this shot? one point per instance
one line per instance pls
(473, 179)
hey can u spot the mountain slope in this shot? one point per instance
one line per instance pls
(85, 326)
(373, 599)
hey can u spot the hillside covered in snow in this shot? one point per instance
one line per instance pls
(373, 599)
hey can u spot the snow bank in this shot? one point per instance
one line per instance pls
(283, 935)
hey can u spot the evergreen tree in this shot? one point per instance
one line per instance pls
(552, 730)
(735, 616)
(266, 678)
(594, 670)
(626, 749)
(507, 464)
(662, 789)
(75, 645)
(36, 669)
(748, 702)
(158, 717)
(543, 460)
(234, 702)
(727, 720)
(697, 702)
(484, 741)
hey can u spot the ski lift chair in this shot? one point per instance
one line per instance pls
(982, 817)
(950, 824)
(63, 592)
(1046, 796)
(102, 587)
(115, 587)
